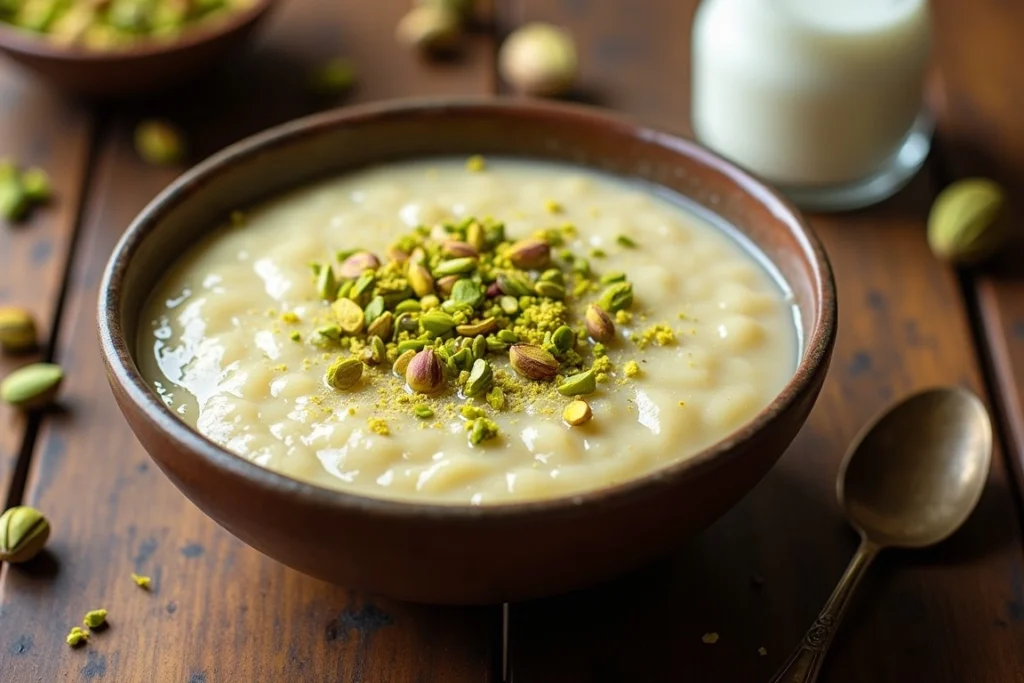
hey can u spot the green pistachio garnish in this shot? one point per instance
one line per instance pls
(617, 297)
(577, 413)
(533, 362)
(485, 326)
(445, 285)
(467, 292)
(479, 347)
(349, 315)
(375, 351)
(411, 345)
(599, 324)
(382, 325)
(496, 398)
(159, 143)
(456, 266)
(481, 378)
(475, 237)
(563, 339)
(459, 249)
(363, 285)
(344, 373)
(77, 636)
(32, 386)
(514, 284)
(374, 309)
(437, 322)
(551, 290)
(509, 305)
(329, 332)
(626, 241)
(326, 284)
(579, 384)
(611, 278)
(35, 183)
(530, 254)
(420, 279)
(483, 430)
(17, 329)
(23, 533)
(408, 306)
(357, 264)
(425, 373)
(95, 618)
(423, 411)
(402, 363)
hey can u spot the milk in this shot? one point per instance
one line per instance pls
(811, 93)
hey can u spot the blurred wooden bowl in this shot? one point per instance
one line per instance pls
(146, 67)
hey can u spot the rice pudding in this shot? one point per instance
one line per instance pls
(473, 332)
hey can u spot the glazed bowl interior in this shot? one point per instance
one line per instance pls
(533, 543)
(142, 68)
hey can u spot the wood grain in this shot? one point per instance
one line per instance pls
(218, 610)
(38, 128)
(952, 614)
(978, 101)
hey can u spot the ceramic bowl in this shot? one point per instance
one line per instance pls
(144, 68)
(442, 553)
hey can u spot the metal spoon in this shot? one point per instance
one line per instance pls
(909, 480)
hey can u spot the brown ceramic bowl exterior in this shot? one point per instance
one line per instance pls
(141, 69)
(460, 554)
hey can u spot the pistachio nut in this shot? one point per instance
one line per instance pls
(455, 266)
(579, 384)
(402, 363)
(77, 636)
(530, 254)
(425, 373)
(463, 359)
(509, 305)
(17, 329)
(533, 362)
(357, 264)
(485, 326)
(409, 306)
(475, 236)
(563, 339)
(508, 336)
(420, 279)
(577, 412)
(382, 325)
(551, 290)
(423, 411)
(458, 249)
(363, 285)
(23, 533)
(344, 373)
(375, 351)
(374, 309)
(35, 183)
(969, 221)
(445, 286)
(437, 322)
(479, 347)
(468, 292)
(514, 284)
(496, 398)
(326, 283)
(430, 28)
(483, 429)
(396, 254)
(159, 143)
(412, 345)
(599, 324)
(95, 618)
(481, 378)
(538, 59)
(349, 316)
(616, 297)
(32, 386)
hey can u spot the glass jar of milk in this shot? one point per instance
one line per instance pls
(822, 98)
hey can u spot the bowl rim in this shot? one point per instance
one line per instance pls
(13, 39)
(122, 370)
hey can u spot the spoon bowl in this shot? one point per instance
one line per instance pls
(910, 479)
(914, 475)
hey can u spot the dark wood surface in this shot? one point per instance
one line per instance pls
(219, 611)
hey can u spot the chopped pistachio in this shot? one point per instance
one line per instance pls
(508, 336)
(496, 398)
(326, 284)
(578, 412)
(35, 183)
(437, 322)
(295, 336)
(551, 290)
(411, 345)
(344, 373)
(579, 384)
(483, 430)
(423, 411)
(598, 253)
(476, 163)
(551, 206)
(382, 326)
(374, 309)
(378, 426)
(631, 368)
(626, 241)
(467, 292)
(77, 636)
(159, 142)
(485, 326)
(349, 316)
(509, 305)
(143, 582)
(456, 266)
(616, 297)
(563, 339)
(409, 306)
(481, 378)
(612, 277)
(95, 618)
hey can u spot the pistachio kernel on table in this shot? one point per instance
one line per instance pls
(969, 221)
(538, 59)
(23, 534)
(17, 330)
(430, 28)
(95, 618)
(32, 386)
(20, 191)
(159, 143)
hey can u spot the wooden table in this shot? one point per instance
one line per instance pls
(219, 611)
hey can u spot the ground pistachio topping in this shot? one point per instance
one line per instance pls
(458, 321)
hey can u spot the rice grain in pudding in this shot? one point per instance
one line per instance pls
(240, 341)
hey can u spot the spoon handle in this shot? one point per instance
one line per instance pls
(805, 661)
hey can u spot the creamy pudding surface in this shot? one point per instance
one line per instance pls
(472, 332)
